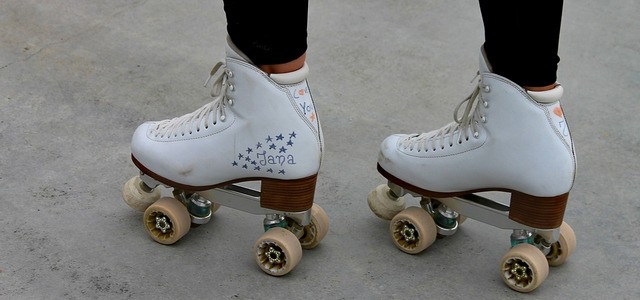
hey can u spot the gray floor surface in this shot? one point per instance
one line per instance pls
(77, 77)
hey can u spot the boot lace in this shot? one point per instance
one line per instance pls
(464, 126)
(205, 116)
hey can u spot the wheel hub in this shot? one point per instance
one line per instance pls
(519, 272)
(408, 233)
(163, 224)
(274, 255)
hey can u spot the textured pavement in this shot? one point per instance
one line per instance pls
(77, 77)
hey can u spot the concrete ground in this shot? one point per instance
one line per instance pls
(77, 77)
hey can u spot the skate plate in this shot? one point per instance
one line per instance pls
(492, 211)
(244, 196)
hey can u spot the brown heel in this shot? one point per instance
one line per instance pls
(288, 195)
(538, 212)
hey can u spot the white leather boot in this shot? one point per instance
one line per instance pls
(259, 127)
(504, 139)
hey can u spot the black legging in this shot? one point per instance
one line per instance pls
(521, 37)
(268, 32)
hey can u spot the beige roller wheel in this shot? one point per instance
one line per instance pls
(524, 268)
(382, 204)
(562, 249)
(138, 196)
(317, 228)
(277, 251)
(167, 220)
(413, 230)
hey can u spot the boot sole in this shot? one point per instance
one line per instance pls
(292, 195)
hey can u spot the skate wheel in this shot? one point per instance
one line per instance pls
(317, 228)
(277, 251)
(167, 220)
(413, 230)
(382, 205)
(136, 196)
(524, 268)
(562, 249)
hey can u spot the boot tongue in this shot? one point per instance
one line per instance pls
(485, 66)
(233, 52)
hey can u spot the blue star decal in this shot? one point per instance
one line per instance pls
(253, 162)
(272, 146)
(234, 163)
(244, 166)
(281, 172)
(249, 150)
(289, 143)
(283, 150)
(257, 168)
(247, 159)
(240, 156)
(259, 145)
(279, 137)
(270, 171)
(268, 139)
(292, 135)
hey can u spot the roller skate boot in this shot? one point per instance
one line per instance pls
(503, 139)
(256, 147)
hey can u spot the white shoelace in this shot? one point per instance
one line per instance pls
(206, 115)
(466, 126)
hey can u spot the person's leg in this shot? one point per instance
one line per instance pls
(504, 137)
(273, 35)
(261, 124)
(521, 40)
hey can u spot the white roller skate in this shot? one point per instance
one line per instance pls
(256, 147)
(505, 139)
